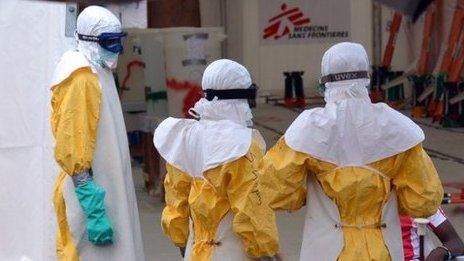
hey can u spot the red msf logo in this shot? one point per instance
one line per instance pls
(280, 24)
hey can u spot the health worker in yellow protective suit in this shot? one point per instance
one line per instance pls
(355, 164)
(100, 220)
(213, 206)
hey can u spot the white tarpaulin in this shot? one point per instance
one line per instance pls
(132, 15)
(304, 21)
(32, 41)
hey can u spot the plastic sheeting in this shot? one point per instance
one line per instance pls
(32, 41)
(131, 14)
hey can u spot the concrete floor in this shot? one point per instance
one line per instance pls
(445, 146)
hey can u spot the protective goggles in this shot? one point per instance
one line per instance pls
(108, 41)
(248, 94)
(336, 77)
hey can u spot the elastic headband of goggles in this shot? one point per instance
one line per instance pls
(103, 36)
(249, 94)
(336, 77)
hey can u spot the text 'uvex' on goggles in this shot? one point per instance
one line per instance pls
(108, 41)
(336, 77)
(344, 76)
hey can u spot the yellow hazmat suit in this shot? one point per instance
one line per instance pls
(91, 139)
(230, 188)
(213, 204)
(75, 101)
(355, 164)
(358, 193)
(82, 112)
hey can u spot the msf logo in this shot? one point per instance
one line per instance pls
(281, 24)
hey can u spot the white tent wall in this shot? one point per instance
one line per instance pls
(132, 15)
(32, 43)
(210, 12)
(267, 62)
(242, 29)
(234, 20)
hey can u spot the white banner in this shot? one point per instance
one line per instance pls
(304, 21)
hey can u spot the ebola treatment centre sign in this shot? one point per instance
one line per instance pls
(304, 21)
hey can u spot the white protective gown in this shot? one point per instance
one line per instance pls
(352, 126)
(112, 170)
(212, 180)
(190, 146)
(333, 148)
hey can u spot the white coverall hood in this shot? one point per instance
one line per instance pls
(221, 135)
(95, 20)
(224, 75)
(340, 58)
(350, 130)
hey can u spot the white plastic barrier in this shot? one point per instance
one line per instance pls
(187, 52)
(155, 72)
(141, 72)
(174, 60)
(131, 75)
(32, 42)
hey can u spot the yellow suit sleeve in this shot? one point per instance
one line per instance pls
(76, 111)
(417, 183)
(175, 216)
(283, 177)
(254, 222)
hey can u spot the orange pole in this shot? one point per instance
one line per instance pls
(426, 40)
(458, 62)
(449, 62)
(394, 28)
(453, 38)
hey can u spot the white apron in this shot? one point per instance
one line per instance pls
(231, 248)
(349, 132)
(323, 235)
(112, 170)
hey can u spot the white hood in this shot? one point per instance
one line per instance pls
(225, 74)
(220, 135)
(350, 130)
(197, 146)
(95, 20)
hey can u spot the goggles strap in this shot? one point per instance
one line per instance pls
(336, 77)
(88, 38)
(230, 94)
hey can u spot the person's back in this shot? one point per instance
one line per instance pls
(354, 164)
(211, 184)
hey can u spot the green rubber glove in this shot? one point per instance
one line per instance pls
(91, 198)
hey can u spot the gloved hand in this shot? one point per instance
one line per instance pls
(182, 251)
(91, 198)
(437, 254)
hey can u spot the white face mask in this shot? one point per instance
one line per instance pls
(108, 59)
